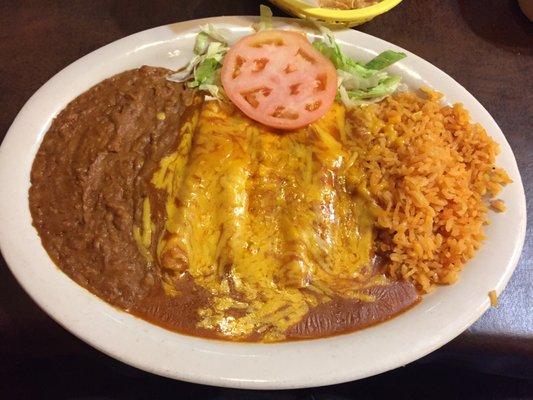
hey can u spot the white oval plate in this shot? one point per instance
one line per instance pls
(439, 318)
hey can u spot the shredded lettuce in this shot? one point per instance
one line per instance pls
(265, 18)
(201, 43)
(214, 33)
(203, 71)
(384, 60)
(359, 83)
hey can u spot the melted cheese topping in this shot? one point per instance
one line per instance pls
(262, 220)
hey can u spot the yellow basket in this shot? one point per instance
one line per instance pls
(331, 16)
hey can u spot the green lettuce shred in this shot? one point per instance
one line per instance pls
(203, 71)
(359, 83)
(265, 18)
(384, 60)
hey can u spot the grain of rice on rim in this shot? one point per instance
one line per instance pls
(432, 172)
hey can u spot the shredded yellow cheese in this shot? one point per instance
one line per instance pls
(262, 221)
(143, 237)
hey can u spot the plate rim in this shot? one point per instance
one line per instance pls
(339, 376)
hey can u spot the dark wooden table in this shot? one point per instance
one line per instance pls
(486, 45)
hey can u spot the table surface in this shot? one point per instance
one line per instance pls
(487, 49)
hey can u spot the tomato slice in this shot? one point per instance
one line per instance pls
(279, 79)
